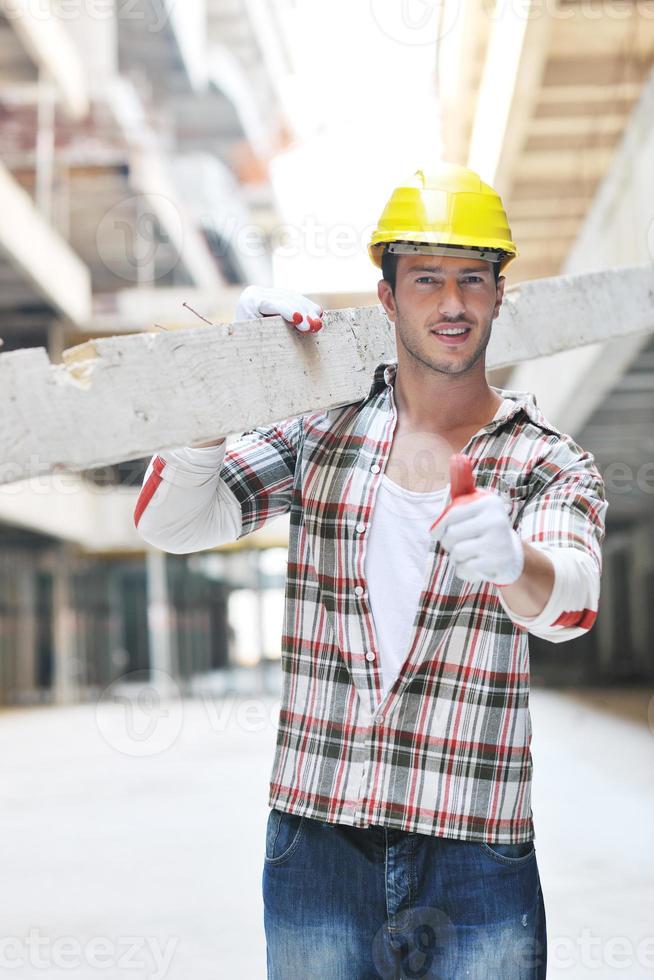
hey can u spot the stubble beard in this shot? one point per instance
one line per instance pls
(436, 364)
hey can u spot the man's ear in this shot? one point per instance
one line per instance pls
(501, 282)
(386, 298)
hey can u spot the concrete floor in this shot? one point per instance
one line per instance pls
(130, 851)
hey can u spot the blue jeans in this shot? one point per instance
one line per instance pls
(347, 903)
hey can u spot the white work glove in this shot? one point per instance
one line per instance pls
(257, 301)
(481, 542)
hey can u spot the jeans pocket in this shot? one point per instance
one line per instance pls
(283, 833)
(510, 853)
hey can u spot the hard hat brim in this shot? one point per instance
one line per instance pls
(466, 249)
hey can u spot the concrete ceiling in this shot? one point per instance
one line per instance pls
(15, 64)
(112, 196)
(539, 108)
(555, 110)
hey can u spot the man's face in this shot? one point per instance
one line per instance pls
(438, 293)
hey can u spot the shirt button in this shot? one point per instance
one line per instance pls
(375, 468)
(370, 655)
(359, 590)
(361, 528)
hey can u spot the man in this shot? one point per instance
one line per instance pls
(400, 840)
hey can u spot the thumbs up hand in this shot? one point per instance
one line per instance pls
(476, 531)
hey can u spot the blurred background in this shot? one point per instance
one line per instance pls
(161, 152)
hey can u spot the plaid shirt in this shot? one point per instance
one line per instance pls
(447, 751)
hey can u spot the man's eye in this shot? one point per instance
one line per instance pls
(471, 278)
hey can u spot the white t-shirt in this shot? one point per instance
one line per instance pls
(396, 564)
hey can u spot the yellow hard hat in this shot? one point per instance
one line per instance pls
(449, 211)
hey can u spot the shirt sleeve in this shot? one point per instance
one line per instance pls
(194, 498)
(259, 471)
(565, 518)
(183, 505)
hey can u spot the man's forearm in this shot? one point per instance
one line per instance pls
(528, 595)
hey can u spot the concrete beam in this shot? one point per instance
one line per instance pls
(546, 251)
(586, 164)
(606, 90)
(65, 506)
(122, 398)
(583, 102)
(463, 37)
(39, 254)
(228, 75)
(508, 92)
(188, 24)
(98, 520)
(583, 68)
(553, 192)
(579, 31)
(618, 229)
(537, 207)
(590, 126)
(533, 269)
(48, 44)
(546, 228)
(264, 22)
(150, 178)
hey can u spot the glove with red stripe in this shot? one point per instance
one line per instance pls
(476, 531)
(258, 301)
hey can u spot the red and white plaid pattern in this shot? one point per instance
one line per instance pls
(447, 752)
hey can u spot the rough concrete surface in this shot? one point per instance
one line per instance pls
(124, 397)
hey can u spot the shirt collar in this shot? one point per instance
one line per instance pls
(513, 401)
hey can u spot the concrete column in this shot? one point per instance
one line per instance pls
(641, 544)
(45, 145)
(163, 659)
(118, 655)
(27, 633)
(94, 33)
(65, 680)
